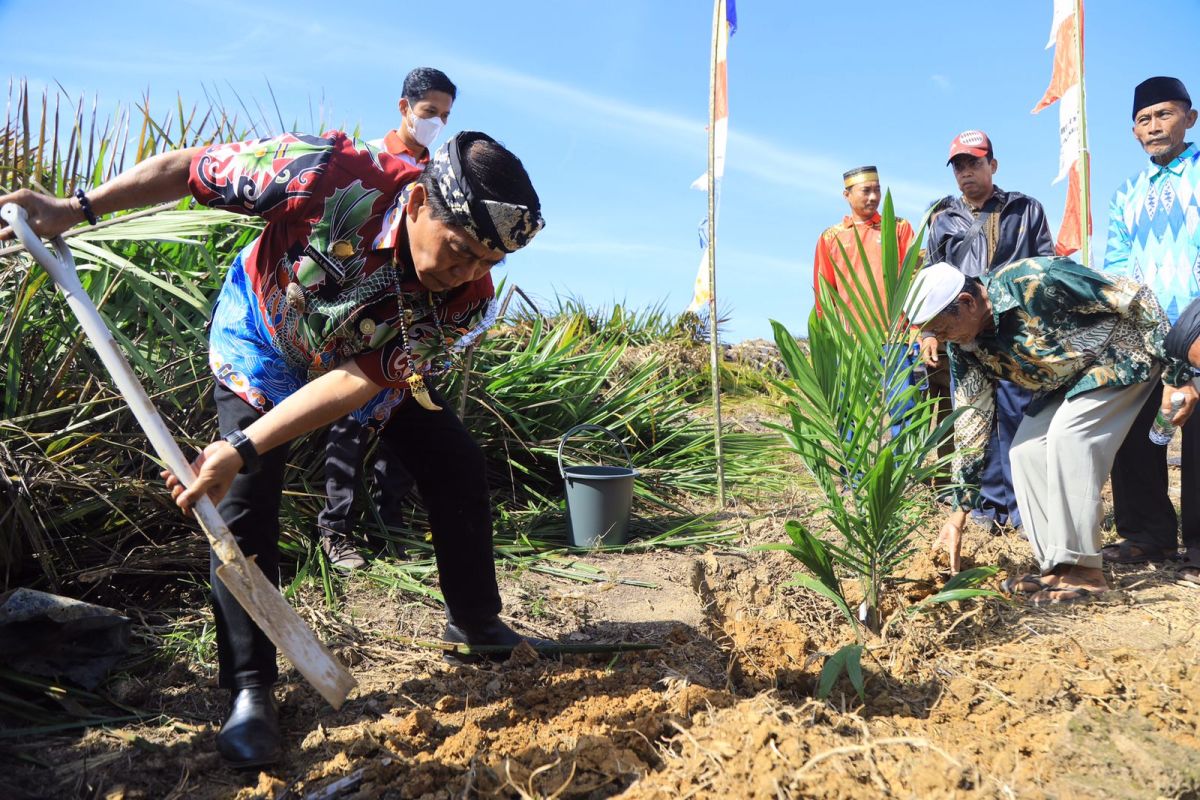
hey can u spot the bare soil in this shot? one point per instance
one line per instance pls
(989, 699)
(986, 699)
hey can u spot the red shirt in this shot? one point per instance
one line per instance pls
(394, 144)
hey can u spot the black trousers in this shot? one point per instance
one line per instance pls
(345, 448)
(1142, 507)
(450, 473)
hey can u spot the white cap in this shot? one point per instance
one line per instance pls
(934, 288)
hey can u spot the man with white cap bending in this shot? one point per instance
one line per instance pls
(1090, 348)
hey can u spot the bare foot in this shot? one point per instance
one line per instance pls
(1061, 595)
(1070, 583)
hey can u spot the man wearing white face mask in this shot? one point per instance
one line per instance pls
(427, 98)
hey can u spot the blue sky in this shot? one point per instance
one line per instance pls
(606, 104)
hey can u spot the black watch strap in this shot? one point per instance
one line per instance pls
(241, 442)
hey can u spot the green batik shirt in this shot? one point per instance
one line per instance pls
(1059, 327)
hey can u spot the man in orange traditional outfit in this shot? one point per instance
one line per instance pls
(862, 223)
(839, 259)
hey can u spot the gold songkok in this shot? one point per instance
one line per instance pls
(860, 175)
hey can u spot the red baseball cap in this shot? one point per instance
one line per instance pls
(971, 143)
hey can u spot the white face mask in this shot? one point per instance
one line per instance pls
(425, 131)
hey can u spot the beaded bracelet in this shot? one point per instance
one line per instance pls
(86, 205)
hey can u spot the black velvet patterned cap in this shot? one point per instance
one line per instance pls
(1160, 89)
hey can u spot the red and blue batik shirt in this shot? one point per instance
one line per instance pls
(319, 287)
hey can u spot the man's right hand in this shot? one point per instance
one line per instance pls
(214, 471)
(929, 351)
(48, 216)
(950, 537)
(159, 179)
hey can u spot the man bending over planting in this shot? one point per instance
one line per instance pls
(366, 271)
(1091, 348)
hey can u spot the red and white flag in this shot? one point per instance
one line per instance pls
(1065, 89)
(727, 25)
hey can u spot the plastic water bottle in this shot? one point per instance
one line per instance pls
(1162, 430)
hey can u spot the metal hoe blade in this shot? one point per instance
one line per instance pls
(257, 595)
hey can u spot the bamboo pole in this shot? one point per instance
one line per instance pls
(1085, 167)
(714, 338)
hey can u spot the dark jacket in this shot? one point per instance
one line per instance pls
(1024, 233)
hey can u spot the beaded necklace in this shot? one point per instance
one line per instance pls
(416, 383)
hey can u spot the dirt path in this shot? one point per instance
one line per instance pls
(988, 700)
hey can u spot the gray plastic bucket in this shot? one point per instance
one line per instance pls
(598, 498)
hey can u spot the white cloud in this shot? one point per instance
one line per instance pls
(750, 154)
(941, 82)
(560, 98)
(578, 108)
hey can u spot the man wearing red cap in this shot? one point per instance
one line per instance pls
(984, 229)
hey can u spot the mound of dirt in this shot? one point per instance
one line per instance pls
(980, 700)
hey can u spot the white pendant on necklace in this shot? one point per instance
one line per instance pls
(416, 385)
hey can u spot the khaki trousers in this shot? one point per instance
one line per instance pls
(1060, 460)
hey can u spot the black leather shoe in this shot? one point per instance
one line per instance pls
(490, 632)
(250, 735)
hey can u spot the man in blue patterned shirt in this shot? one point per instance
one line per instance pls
(1154, 238)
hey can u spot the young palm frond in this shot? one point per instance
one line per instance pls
(844, 397)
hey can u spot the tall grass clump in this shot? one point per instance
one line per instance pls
(536, 382)
(839, 398)
(78, 495)
(617, 322)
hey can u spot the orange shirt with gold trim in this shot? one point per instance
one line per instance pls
(830, 264)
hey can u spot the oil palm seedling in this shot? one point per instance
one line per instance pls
(868, 437)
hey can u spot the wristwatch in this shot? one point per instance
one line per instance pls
(241, 442)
